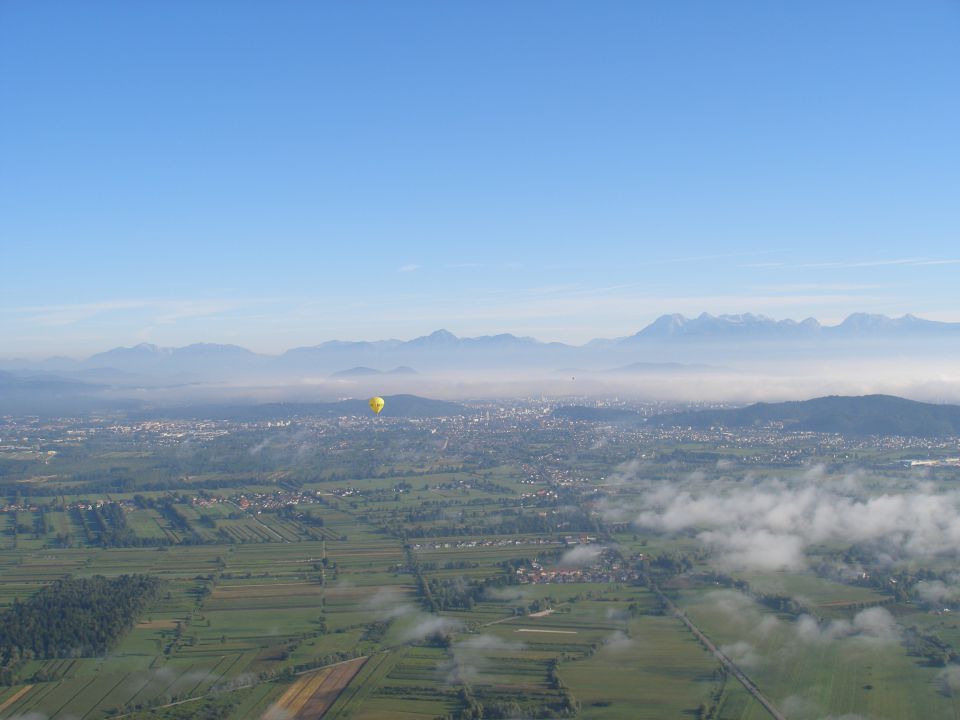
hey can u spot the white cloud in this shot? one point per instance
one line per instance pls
(770, 524)
(852, 264)
(874, 624)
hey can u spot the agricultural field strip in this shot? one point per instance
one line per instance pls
(28, 700)
(211, 694)
(370, 676)
(334, 684)
(296, 696)
(15, 697)
(69, 700)
(303, 690)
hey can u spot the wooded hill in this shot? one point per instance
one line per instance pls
(861, 415)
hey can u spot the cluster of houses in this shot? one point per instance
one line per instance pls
(604, 571)
(266, 501)
(502, 542)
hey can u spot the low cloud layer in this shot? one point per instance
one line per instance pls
(477, 654)
(770, 524)
(426, 625)
(389, 603)
(873, 624)
(939, 592)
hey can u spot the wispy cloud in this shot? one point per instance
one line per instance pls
(853, 264)
(160, 311)
(57, 315)
(409, 267)
(820, 287)
(717, 256)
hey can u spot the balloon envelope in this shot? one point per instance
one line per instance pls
(376, 404)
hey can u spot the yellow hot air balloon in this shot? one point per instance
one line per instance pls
(376, 404)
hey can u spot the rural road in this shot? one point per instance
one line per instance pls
(724, 660)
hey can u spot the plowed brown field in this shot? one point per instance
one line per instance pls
(313, 694)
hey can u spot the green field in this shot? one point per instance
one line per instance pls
(417, 554)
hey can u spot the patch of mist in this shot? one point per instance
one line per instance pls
(743, 613)
(797, 707)
(755, 549)
(938, 592)
(617, 614)
(489, 642)
(389, 603)
(423, 626)
(581, 556)
(238, 681)
(617, 642)
(742, 654)
(507, 594)
(474, 656)
(626, 473)
(874, 624)
(949, 680)
(613, 511)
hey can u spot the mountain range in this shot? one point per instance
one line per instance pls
(758, 327)
(668, 343)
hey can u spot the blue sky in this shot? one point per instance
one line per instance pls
(277, 174)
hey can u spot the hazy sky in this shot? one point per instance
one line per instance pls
(281, 173)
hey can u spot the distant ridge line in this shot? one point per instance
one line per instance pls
(666, 328)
